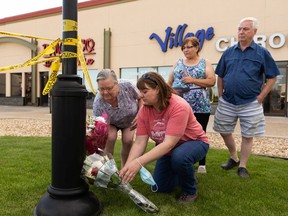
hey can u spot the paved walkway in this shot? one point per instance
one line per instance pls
(275, 126)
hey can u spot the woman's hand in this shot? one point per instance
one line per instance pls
(129, 171)
(187, 79)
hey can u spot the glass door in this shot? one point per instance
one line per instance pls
(275, 102)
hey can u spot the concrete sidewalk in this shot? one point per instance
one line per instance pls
(275, 126)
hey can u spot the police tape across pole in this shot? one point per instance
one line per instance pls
(69, 25)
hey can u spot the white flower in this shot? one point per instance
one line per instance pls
(97, 164)
(99, 118)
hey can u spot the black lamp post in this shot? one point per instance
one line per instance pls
(68, 194)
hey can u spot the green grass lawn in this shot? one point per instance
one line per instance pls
(26, 173)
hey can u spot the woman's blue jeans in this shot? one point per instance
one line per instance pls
(177, 168)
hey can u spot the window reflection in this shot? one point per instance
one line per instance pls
(93, 76)
(133, 74)
(2, 85)
(16, 84)
(275, 102)
(213, 91)
(129, 74)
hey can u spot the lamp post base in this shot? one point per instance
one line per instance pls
(85, 205)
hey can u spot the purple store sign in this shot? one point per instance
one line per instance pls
(176, 39)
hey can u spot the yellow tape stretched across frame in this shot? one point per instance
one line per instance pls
(83, 64)
(25, 36)
(48, 50)
(56, 60)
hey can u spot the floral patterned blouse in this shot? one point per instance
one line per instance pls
(121, 116)
(197, 97)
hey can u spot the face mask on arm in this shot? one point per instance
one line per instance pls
(147, 177)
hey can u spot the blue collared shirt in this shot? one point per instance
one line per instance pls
(243, 72)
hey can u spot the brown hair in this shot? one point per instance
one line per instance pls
(194, 41)
(153, 79)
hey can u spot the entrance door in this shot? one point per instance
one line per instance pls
(275, 102)
(28, 89)
(44, 76)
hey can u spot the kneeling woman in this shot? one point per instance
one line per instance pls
(180, 140)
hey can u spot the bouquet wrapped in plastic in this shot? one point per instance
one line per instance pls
(101, 170)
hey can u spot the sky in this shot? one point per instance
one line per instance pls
(18, 7)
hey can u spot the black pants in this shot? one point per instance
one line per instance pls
(203, 119)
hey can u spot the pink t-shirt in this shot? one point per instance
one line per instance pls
(176, 120)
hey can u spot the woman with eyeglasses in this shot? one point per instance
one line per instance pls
(190, 77)
(121, 101)
(180, 140)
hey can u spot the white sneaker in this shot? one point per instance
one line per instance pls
(202, 169)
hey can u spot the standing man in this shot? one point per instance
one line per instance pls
(241, 71)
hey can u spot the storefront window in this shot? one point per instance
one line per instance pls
(93, 76)
(28, 87)
(16, 84)
(2, 85)
(164, 71)
(129, 74)
(143, 70)
(213, 91)
(133, 74)
(275, 102)
(44, 99)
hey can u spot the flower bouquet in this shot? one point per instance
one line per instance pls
(101, 170)
(97, 129)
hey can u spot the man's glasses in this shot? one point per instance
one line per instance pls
(108, 89)
(187, 47)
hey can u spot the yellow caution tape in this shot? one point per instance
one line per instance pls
(25, 36)
(53, 77)
(83, 64)
(47, 51)
(70, 25)
(28, 63)
(70, 41)
(69, 55)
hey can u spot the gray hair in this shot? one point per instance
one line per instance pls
(255, 22)
(105, 74)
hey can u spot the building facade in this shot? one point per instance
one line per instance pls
(136, 36)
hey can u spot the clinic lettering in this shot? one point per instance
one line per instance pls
(176, 39)
(275, 41)
(88, 49)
